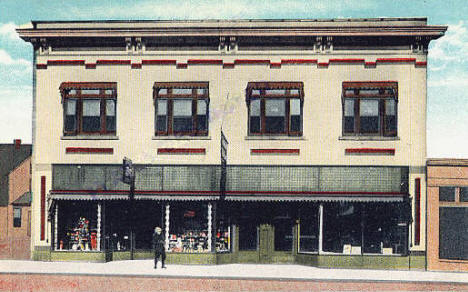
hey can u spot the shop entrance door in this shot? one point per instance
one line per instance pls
(265, 243)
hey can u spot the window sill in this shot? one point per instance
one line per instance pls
(90, 137)
(181, 138)
(273, 137)
(368, 138)
(453, 261)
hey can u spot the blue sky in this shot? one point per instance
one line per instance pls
(447, 119)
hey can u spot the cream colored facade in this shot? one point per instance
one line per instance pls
(322, 68)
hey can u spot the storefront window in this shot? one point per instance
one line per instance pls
(308, 229)
(383, 231)
(223, 238)
(283, 233)
(77, 226)
(342, 228)
(188, 228)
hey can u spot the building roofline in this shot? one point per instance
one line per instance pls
(447, 162)
(237, 27)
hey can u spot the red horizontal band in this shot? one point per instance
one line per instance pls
(370, 151)
(331, 193)
(90, 66)
(250, 62)
(65, 62)
(204, 62)
(298, 61)
(274, 151)
(424, 63)
(395, 60)
(181, 150)
(89, 150)
(158, 62)
(346, 61)
(113, 62)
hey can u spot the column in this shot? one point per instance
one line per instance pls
(56, 227)
(210, 211)
(166, 227)
(98, 234)
(320, 229)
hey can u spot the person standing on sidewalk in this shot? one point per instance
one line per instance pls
(158, 247)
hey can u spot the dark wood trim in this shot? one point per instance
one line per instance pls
(159, 62)
(41, 66)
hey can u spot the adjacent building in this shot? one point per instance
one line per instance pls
(252, 140)
(447, 214)
(15, 200)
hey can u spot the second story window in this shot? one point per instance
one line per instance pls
(275, 108)
(181, 108)
(89, 108)
(370, 108)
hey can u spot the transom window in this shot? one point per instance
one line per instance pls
(181, 108)
(275, 108)
(89, 108)
(370, 108)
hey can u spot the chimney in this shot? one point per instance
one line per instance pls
(17, 143)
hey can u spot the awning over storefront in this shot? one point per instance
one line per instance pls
(116, 195)
(318, 197)
(243, 183)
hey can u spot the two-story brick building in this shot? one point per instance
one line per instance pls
(325, 122)
(15, 200)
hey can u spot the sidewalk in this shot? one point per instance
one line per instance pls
(144, 268)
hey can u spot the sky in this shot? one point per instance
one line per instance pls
(447, 85)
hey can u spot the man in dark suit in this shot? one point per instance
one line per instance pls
(158, 247)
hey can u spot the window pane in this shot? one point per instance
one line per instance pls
(349, 108)
(275, 91)
(110, 115)
(453, 225)
(369, 116)
(349, 116)
(342, 228)
(447, 194)
(201, 91)
(161, 115)
(182, 91)
(17, 217)
(254, 121)
(274, 107)
(294, 91)
(255, 107)
(464, 194)
(109, 91)
(90, 91)
(202, 121)
(295, 110)
(390, 116)
(162, 107)
(255, 92)
(382, 233)
(283, 234)
(295, 107)
(309, 229)
(70, 115)
(182, 115)
(91, 108)
(162, 91)
(91, 121)
(188, 228)
(275, 116)
(182, 107)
